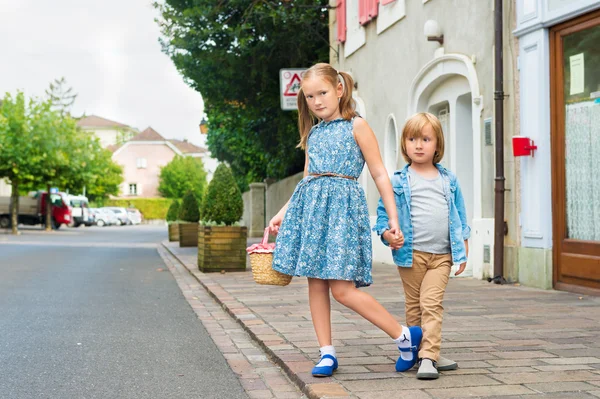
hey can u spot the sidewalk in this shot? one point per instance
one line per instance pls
(509, 341)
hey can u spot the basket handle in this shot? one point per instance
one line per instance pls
(265, 239)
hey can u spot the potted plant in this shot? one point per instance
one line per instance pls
(172, 217)
(189, 214)
(222, 243)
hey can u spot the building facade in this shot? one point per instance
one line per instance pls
(108, 132)
(142, 158)
(399, 72)
(559, 70)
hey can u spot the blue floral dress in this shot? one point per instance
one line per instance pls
(325, 233)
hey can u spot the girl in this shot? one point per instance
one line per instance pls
(432, 216)
(324, 231)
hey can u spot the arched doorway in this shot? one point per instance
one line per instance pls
(448, 88)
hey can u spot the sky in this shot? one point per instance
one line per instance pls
(108, 52)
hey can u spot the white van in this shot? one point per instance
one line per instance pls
(80, 210)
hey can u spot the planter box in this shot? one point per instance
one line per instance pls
(174, 232)
(222, 248)
(188, 234)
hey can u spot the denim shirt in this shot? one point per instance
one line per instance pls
(459, 229)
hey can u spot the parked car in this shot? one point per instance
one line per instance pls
(135, 216)
(122, 217)
(104, 217)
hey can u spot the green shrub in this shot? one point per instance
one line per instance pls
(173, 212)
(189, 210)
(223, 200)
(150, 208)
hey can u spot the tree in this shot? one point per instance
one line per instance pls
(21, 148)
(173, 212)
(61, 97)
(180, 175)
(231, 52)
(189, 210)
(223, 202)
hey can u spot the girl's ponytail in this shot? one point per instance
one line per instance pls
(347, 103)
(305, 120)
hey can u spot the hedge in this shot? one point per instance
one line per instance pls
(150, 208)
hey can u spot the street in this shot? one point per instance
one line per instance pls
(95, 313)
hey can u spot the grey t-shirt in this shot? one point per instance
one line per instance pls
(429, 214)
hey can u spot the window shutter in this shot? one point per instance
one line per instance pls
(363, 11)
(373, 9)
(139, 189)
(340, 14)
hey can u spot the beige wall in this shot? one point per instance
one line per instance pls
(156, 155)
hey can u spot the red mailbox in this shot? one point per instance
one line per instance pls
(523, 146)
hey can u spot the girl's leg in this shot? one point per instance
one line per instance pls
(320, 309)
(365, 305)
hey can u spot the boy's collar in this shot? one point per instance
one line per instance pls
(405, 169)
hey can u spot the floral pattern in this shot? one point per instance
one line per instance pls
(325, 233)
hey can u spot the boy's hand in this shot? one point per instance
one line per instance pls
(461, 268)
(394, 237)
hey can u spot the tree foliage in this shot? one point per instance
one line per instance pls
(231, 52)
(223, 201)
(189, 210)
(180, 175)
(173, 211)
(41, 147)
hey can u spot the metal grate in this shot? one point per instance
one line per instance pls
(487, 127)
(486, 254)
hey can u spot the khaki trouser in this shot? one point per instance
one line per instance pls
(424, 286)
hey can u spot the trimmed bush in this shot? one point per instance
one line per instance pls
(189, 210)
(223, 201)
(173, 212)
(150, 208)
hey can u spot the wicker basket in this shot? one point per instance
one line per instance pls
(261, 260)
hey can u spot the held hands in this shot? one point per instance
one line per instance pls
(394, 236)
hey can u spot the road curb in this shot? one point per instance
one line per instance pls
(312, 391)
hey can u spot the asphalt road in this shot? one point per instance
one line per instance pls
(95, 313)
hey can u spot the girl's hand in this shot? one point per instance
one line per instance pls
(275, 223)
(461, 268)
(394, 237)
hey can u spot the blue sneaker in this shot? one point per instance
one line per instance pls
(325, 371)
(416, 335)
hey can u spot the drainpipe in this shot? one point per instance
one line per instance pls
(499, 227)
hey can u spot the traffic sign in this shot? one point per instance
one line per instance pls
(289, 83)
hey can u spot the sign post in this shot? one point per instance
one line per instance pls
(289, 84)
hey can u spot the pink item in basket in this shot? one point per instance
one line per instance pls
(263, 247)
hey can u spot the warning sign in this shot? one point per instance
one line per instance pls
(289, 83)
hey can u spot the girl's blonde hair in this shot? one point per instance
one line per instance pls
(347, 104)
(413, 128)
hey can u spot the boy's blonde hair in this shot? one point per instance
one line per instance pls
(347, 103)
(413, 128)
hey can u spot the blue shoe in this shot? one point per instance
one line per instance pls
(325, 371)
(416, 335)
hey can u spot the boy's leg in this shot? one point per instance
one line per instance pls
(432, 310)
(412, 277)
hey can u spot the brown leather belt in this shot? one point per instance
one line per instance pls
(332, 175)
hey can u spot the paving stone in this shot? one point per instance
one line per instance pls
(546, 376)
(565, 386)
(479, 392)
